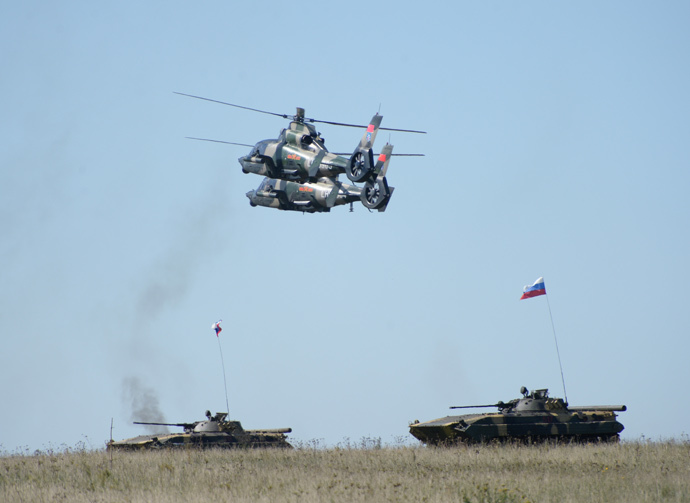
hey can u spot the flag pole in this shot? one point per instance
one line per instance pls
(225, 380)
(565, 393)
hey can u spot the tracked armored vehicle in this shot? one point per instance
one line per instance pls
(535, 417)
(214, 432)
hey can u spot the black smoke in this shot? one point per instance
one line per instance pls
(143, 404)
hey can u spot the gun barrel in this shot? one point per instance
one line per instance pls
(274, 430)
(474, 406)
(183, 425)
(599, 408)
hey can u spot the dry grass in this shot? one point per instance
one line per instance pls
(627, 472)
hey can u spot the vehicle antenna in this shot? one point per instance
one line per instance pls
(111, 442)
(218, 329)
(565, 393)
(225, 380)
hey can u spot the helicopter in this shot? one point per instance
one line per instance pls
(302, 175)
(327, 192)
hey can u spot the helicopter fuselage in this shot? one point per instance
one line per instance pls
(298, 154)
(309, 197)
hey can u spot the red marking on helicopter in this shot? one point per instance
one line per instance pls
(294, 157)
(306, 189)
(382, 157)
(370, 130)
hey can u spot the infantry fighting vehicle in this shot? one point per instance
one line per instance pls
(214, 432)
(534, 417)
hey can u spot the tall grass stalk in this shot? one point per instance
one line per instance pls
(630, 472)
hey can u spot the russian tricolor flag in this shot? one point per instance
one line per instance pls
(534, 290)
(216, 327)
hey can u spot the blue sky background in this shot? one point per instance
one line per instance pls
(557, 146)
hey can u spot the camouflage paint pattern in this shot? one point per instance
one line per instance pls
(326, 192)
(306, 197)
(535, 417)
(301, 173)
(214, 433)
(299, 154)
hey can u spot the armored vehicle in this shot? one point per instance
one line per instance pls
(534, 417)
(214, 432)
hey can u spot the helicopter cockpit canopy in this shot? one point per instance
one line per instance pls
(260, 148)
(267, 185)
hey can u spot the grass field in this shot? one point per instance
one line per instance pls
(630, 472)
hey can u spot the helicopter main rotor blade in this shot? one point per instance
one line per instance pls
(284, 116)
(375, 155)
(219, 141)
(364, 127)
(402, 130)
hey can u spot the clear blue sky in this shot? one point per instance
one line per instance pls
(557, 146)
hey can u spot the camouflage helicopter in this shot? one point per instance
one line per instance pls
(302, 175)
(326, 192)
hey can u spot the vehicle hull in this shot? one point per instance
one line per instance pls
(204, 440)
(531, 426)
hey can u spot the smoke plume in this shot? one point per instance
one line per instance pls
(143, 404)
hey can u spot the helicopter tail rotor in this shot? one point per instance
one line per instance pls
(361, 165)
(376, 193)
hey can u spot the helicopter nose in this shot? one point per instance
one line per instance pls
(250, 195)
(242, 160)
